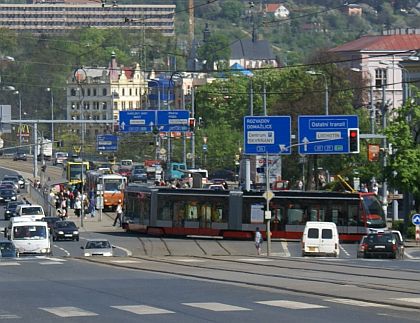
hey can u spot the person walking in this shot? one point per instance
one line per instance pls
(119, 214)
(77, 206)
(258, 240)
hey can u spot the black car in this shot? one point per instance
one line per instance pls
(381, 244)
(65, 230)
(7, 195)
(7, 249)
(138, 175)
(10, 210)
(51, 220)
(19, 156)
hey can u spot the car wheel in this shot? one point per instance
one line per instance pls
(77, 239)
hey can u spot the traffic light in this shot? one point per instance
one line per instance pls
(59, 143)
(191, 123)
(353, 137)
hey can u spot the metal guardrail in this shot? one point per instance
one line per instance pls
(41, 196)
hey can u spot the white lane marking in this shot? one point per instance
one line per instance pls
(50, 263)
(68, 311)
(126, 261)
(142, 309)
(186, 260)
(8, 316)
(406, 254)
(63, 250)
(354, 302)
(415, 300)
(285, 247)
(255, 259)
(344, 250)
(128, 252)
(291, 305)
(56, 259)
(217, 307)
(12, 263)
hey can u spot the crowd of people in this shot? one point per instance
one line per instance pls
(67, 198)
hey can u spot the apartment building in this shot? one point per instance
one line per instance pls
(99, 93)
(61, 16)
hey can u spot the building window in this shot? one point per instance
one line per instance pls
(115, 105)
(123, 105)
(123, 92)
(103, 105)
(137, 105)
(73, 92)
(104, 92)
(88, 92)
(380, 77)
(130, 91)
(130, 105)
(94, 92)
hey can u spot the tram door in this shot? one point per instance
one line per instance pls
(278, 221)
(205, 219)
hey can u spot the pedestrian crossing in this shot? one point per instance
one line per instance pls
(143, 309)
(38, 260)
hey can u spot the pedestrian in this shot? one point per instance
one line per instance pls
(77, 206)
(258, 240)
(119, 214)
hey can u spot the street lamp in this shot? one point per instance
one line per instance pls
(20, 116)
(52, 114)
(326, 87)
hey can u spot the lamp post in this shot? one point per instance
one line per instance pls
(326, 87)
(20, 116)
(52, 113)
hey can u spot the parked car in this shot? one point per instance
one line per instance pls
(51, 220)
(7, 249)
(10, 210)
(65, 230)
(98, 247)
(7, 195)
(19, 156)
(382, 244)
(138, 175)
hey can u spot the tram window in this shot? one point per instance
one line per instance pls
(192, 212)
(164, 212)
(217, 215)
(353, 215)
(313, 215)
(295, 216)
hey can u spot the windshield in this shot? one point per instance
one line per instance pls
(375, 214)
(62, 224)
(29, 232)
(98, 245)
(112, 184)
(35, 210)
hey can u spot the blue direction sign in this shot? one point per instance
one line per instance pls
(415, 219)
(107, 143)
(325, 134)
(137, 120)
(263, 134)
(173, 120)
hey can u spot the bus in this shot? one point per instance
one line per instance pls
(236, 214)
(29, 236)
(73, 172)
(112, 186)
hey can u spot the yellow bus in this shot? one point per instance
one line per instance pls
(73, 172)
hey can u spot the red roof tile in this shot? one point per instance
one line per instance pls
(128, 73)
(271, 7)
(381, 42)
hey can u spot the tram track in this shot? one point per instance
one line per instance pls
(258, 276)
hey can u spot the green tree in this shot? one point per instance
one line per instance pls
(232, 10)
(215, 49)
(403, 170)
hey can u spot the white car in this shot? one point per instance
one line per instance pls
(98, 247)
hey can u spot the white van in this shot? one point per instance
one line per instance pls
(33, 210)
(320, 239)
(29, 237)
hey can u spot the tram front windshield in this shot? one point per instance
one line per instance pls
(375, 214)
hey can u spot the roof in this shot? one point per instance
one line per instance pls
(381, 43)
(246, 48)
(271, 7)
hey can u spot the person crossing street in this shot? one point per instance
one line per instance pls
(119, 214)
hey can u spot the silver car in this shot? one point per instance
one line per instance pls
(98, 247)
